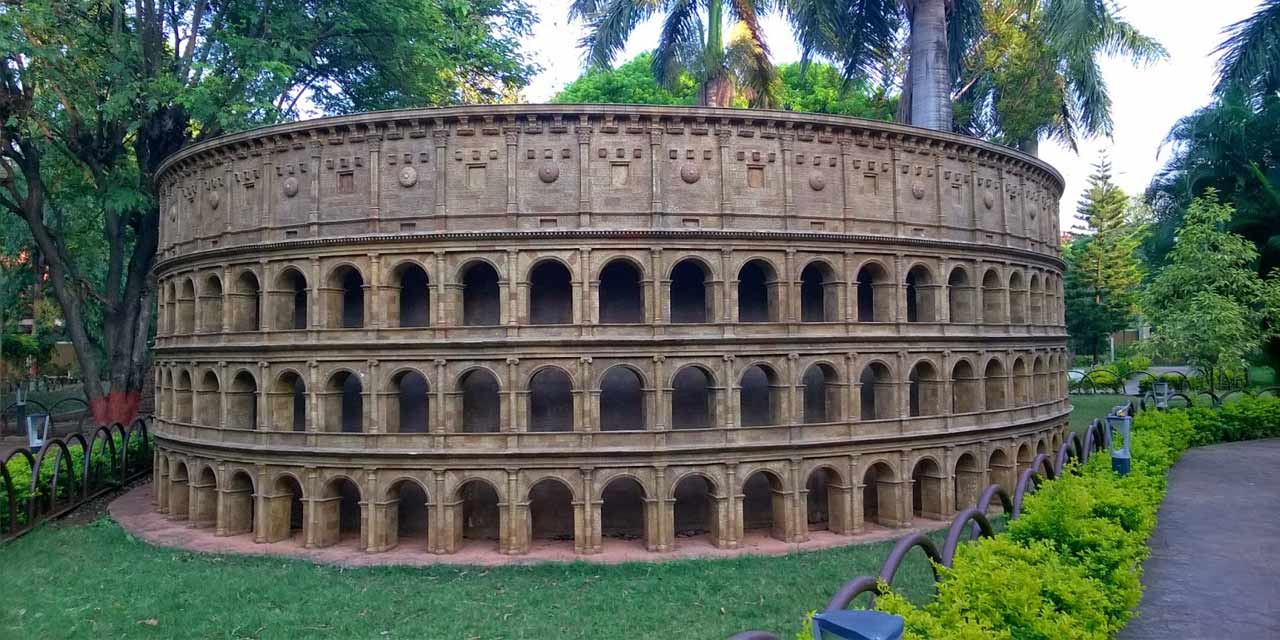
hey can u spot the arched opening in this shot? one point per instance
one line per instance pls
(550, 401)
(248, 300)
(481, 409)
(968, 482)
(1036, 295)
(291, 300)
(204, 496)
(409, 403)
(346, 298)
(925, 389)
(169, 310)
(339, 520)
(689, 301)
(926, 490)
(344, 403)
(1021, 384)
(237, 500)
(242, 402)
(757, 289)
(993, 385)
(550, 294)
(182, 395)
(691, 399)
(289, 403)
(621, 295)
(1017, 299)
(1001, 470)
(818, 297)
(481, 303)
(1041, 372)
(1025, 455)
(992, 298)
(960, 304)
(406, 516)
(550, 511)
(965, 388)
(875, 300)
(480, 516)
(920, 305)
(623, 513)
(695, 511)
(187, 307)
(210, 307)
(209, 399)
(760, 397)
(412, 290)
(821, 394)
(284, 512)
(179, 492)
(879, 495)
(764, 505)
(621, 400)
(876, 392)
(823, 506)
(1041, 447)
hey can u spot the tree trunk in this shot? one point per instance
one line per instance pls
(717, 91)
(928, 69)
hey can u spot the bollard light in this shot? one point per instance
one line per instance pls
(857, 624)
(1118, 425)
(1162, 394)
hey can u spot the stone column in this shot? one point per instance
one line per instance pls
(511, 134)
(655, 177)
(440, 139)
(583, 131)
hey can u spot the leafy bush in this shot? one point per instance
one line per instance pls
(1177, 383)
(1101, 380)
(104, 472)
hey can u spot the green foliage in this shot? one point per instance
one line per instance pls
(630, 83)
(1245, 419)
(1176, 382)
(818, 88)
(104, 472)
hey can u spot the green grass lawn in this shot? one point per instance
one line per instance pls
(1086, 407)
(96, 581)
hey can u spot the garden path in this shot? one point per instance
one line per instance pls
(1214, 570)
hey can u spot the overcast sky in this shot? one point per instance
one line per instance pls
(1146, 102)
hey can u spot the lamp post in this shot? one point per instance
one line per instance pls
(1119, 440)
(1162, 394)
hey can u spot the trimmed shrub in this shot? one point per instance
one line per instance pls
(104, 473)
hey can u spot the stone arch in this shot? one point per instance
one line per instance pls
(819, 293)
(1017, 299)
(620, 294)
(760, 395)
(994, 384)
(164, 394)
(925, 388)
(289, 402)
(408, 402)
(880, 495)
(1021, 383)
(169, 308)
(764, 503)
(210, 306)
(1040, 374)
(284, 512)
(876, 392)
(481, 294)
(688, 296)
(1042, 446)
(993, 298)
(624, 510)
(550, 292)
(968, 481)
(960, 296)
(826, 500)
(237, 515)
(203, 511)
(927, 489)
(693, 398)
(186, 306)
(409, 296)
(291, 306)
(1025, 455)
(758, 291)
(182, 392)
(405, 515)
(551, 510)
(1036, 296)
(481, 401)
(179, 493)
(344, 402)
(338, 513)
(821, 394)
(551, 400)
(875, 293)
(345, 297)
(696, 512)
(1001, 470)
(919, 289)
(242, 401)
(476, 512)
(209, 400)
(966, 388)
(622, 401)
(246, 302)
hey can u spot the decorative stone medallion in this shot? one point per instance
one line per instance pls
(214, 198)
(817, 182)
(548, 173)
(408, 177)
(290, 187)
(988, 199)
(690, 173)
(917, 190)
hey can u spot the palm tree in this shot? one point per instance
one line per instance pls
(692, 41)
(1249, 57)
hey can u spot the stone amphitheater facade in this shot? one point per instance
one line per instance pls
(650, 325)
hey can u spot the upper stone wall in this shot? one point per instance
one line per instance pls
(484, 168)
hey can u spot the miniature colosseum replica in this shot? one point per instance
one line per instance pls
(612, 325)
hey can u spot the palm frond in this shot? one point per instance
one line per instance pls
(1249, 55)
(681, 31)
(1088, 90)
(749, 64)
(964, 27)
(858, 35)
(1119, 38)
(609, 23)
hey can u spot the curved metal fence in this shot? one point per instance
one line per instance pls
(968, 524)
(68, 471)
(67, 411)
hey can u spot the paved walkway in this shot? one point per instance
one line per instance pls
(1214, 571)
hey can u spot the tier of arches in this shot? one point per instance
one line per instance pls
(547, 396)
(622, 290)
(657, 508)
